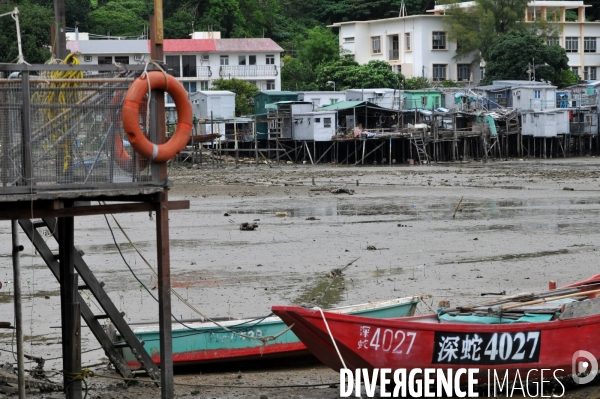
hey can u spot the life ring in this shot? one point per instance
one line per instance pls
(130, 115)
(120, 154)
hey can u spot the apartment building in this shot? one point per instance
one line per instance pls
(196, 62)
(417, 45)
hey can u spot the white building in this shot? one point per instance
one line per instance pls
(196, 62)
(387, 98)
(417, 45)
(322, 98)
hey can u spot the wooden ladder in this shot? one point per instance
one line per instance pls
(420, 146)
(91, 284)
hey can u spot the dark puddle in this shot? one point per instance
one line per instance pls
(497, 258)
(429, 210)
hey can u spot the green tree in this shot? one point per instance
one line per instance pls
(178, 25)
(347, 74)
(296, 75)
(243, 94)
(416, 83)
(35, 22)
(513, 57)
(320, 46)
(478, 27)
(121, 18)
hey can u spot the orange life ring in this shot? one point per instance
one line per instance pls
(121, 156)
(131, 124)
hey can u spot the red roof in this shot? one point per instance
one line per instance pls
(221, 45)
(188, 45)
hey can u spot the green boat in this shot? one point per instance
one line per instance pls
(202, 341)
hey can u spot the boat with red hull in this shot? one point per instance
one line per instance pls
(447, 341)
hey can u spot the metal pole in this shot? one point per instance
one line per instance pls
(162, 225)
(59, 41)
(237, 154)
(18, 313)
(255, 141)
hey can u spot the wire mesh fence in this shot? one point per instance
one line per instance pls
(62, 128)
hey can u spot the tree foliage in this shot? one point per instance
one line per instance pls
(320, 46)
(516, 53)
(348, 74)
(416, 83)
(477, 28)
(35, 22)
(243, 94)
(121, 18)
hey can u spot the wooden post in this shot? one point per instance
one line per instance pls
(71, 337)
(162, 222)
(59, 40)
(255, 134)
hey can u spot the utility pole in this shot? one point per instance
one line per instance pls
(59, 40)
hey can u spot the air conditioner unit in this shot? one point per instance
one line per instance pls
(87, 58)
(518, 93)
(138, 57)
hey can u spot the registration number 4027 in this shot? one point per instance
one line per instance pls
(386, 340)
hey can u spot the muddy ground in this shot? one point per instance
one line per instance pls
(521, 223)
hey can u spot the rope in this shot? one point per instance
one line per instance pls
(145, 75)
(64, 97)
(80, 376)
(264, 339)
(331, 335)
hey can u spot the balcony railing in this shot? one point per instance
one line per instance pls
(190, 72)
(394, 55)
(239, 71)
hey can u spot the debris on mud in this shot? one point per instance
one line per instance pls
(341, 191)
(248, 226)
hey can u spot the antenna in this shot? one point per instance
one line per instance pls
(402, 9)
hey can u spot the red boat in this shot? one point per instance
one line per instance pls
(530, 331)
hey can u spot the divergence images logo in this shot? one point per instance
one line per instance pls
(583, 366)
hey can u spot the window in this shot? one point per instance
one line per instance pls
(326, 122)
(589, 73)
(241, 60)
(553, 41)
(205, 59)
(203, 85)
(589, 44)
(407, 41)
(575, 70)
(173, 64)
(224, 60)
(190, 87)
(122, 59)
(376, 45)
(572, 44)
(537, 94)
(439, 72)
(87, 58)
(438, 41)
(270, 85)
(317, 120)
(349, 40)
(481, 73)
(189, 66)
(104, 60)
(270, 59)
(463, 72)
(251, 60)
(333, 100)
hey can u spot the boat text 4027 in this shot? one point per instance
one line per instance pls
(486, 348)
(386, 339)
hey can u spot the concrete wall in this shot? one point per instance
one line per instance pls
(311, 126)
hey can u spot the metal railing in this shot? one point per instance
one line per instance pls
(240, 71)
(190, 72)
(67, 132)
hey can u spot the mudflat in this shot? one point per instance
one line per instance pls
(520, 224)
